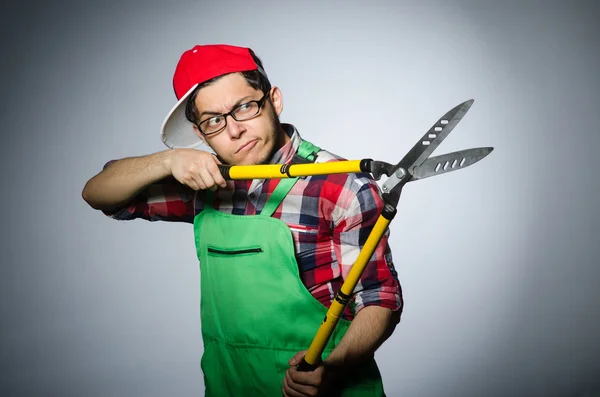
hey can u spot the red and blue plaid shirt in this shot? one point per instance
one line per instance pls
(330, 217)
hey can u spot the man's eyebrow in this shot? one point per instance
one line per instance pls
(237, 103)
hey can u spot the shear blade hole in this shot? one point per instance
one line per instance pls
(431, 136)
(454, 163)
(462, 162)
(438, 129)
(444, 122)
(426, 143)
(446, 165)
(437, 167)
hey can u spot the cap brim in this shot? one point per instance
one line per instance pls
(176, 130)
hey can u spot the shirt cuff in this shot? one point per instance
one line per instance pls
(391, 300)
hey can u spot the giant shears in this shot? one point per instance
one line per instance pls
(414, 166)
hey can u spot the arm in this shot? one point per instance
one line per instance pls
(369, 329)
(372, 326)
(124, 179)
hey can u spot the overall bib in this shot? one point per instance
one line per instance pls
(255, 311)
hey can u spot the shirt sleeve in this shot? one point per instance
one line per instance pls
(362, 205)
(166, 200)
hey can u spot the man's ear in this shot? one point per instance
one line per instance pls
(277, 100)
(197, 131)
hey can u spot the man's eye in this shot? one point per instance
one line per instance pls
(244, 106)
(213, 121)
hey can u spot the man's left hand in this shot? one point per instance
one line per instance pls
(305, 384)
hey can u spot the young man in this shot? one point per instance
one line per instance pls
(266, 279)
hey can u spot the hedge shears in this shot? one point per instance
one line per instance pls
(414, 166)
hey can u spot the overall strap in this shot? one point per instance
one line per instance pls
(307, 152)
(209, 200)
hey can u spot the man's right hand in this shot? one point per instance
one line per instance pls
(197, 169)
(124, 179)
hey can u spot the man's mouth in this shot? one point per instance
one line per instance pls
(247, 146)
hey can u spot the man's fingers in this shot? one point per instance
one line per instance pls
(297, 358)
(191, 183)
(197, 169)
(294, 389)
(310, 378)
(216, 175)
(207, 178)
(196, 180)
(287, 390)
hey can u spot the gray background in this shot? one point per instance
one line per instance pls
(499, 262)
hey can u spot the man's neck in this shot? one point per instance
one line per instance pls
(282, 138)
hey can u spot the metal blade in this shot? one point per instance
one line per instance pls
(436, 134)
(403, 171)
(449, 162)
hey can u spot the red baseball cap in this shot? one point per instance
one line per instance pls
(197, 65)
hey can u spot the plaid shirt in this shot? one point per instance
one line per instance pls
(330, 217)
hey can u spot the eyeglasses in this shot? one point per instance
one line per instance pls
(241, 112)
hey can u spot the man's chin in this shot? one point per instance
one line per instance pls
(261, 156)
(259, 161)
(253, 160)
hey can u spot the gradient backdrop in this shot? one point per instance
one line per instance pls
(499, 263)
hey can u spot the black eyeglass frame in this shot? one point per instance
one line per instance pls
(260, 102)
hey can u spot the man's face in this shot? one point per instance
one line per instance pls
(247, 142)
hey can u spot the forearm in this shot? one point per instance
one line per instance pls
(372, 326)
(124, 179)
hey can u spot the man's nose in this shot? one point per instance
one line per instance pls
(234, 128)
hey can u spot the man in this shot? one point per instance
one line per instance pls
(266, 279)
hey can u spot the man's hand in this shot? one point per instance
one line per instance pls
(306, 384)
(196, 169)
(123, 179)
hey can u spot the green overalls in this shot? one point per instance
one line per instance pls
(256, 314)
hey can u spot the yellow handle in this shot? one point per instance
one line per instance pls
(276, 171)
